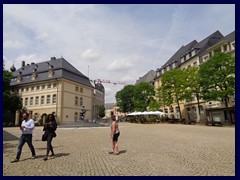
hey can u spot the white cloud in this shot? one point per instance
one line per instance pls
(117, 42)
(13, 45)
(90, 54)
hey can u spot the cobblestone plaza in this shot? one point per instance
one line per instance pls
(145, 150)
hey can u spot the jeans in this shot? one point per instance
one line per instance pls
(49, 144)
(25, 138)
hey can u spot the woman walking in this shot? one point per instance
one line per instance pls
(50, 127)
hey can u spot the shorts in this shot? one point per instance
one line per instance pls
(115, 137)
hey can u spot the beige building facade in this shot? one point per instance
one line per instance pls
(55, 86)
(194, 54)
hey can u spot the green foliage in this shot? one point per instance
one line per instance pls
(143, 94)
(172, 86)
(154, 105)
(7, 76)
(217, 77)
(101, 111)
(125, 99)
(11, 102)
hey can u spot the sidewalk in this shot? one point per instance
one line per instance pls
(145, 150)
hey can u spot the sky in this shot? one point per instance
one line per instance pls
(113, 42)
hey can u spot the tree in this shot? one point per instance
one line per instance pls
(11, 102)
(143, 94)
(154, 105)
(125, 99)
(217, 78)
(172, 87)
(101, 111)
(192, 86)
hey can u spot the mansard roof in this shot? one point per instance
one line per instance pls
(149, 77)
(198, 46)
(60, 67)
(182, 51)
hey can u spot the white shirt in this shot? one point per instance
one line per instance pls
(29, 126)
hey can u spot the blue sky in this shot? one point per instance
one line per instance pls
(116, 42)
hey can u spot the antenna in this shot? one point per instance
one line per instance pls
(88, 71)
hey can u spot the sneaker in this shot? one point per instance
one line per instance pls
(52, 155)
(111, 152)
(33, 157)
(15, 160)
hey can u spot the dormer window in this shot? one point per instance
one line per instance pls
(182, 59)
(19, 78)
(193, 52)
(174, 65)
(34, 76)
(50, 73)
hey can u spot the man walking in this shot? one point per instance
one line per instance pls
(26, 127)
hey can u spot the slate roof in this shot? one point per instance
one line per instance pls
(227, 39)
(177, 56)
(230, 37)
(200, 47)
(61, 68)
(149, 77)
(99, 87)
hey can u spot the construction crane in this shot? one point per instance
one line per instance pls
(108, 81)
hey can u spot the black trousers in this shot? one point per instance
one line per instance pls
(49, 144)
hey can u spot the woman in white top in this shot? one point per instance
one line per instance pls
(114, 135)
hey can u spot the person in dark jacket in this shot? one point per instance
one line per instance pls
(50, 127)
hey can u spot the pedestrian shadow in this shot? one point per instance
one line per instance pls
(44, 148)
(122, 151)
(58, 155)
(9, 137)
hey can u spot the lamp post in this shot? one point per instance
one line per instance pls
(210, 114)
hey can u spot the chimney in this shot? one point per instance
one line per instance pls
(53, 58)
(23, 64)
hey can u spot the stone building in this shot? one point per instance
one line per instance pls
(55, 86)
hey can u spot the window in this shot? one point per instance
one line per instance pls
(38, 88)
(205, 58)
(76, 88)
(48, 99)
(75, 116)
(195, 64)
(54, 85)
(182, 59)
(32, 88)
(81, 90)
(224, 48)
(174, 65)
(81, 101)
(76, 101)
(26, 101)
(42, 99)
(43, 86)
(49, 86)
(233, 46)
(31, 101)
(193, 52)
(27, 89)
(37, 100)
(54, 98)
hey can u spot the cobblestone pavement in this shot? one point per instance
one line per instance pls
(145, 150)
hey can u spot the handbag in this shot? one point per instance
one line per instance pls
(44, 137)
(54, 134)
